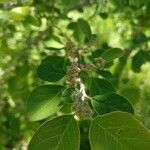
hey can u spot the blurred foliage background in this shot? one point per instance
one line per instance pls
(33, 29)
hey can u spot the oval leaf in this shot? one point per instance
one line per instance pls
(118, 131)
(61, 133)
(98, 86)
(84, 27)
(111, 102)
(52, 68)
(139, 59)
(44, 101)
(112, 53)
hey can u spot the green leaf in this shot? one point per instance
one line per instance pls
(139, 59)
(120, 4)
(67, 100)
(98, 86)
(70, 3)
(66, 108)
(111, 102)
(97, 53)
(52, 68)
(78, 34)
(112, 53)
(84, 27)
(132, 93)
(68, 95)
(32, 20)
(105, 74)
(139, 38)
(44, 101)
(61, 133)
(84, 126)
(54, 48)
(118, 131)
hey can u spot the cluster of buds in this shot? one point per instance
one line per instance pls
(73, 74)
(89, 68)
(81, 108)
(99, 63)
(71, 49)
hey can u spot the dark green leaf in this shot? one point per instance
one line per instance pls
(44, 101)
(32, 20)
(112, 53)
(79, 35)
(98, 86)
(97, 53)
(118, 131)
(105, 73)
(67, 94)
(139, 59)
(54, 48)
(66, 108)
(70, 3)
(104, 15)
(52, 68)
(111, 102)
(139, 39)
(61, 133)
(84, 27)
(72, 25)
(120, 4)
(84, 131)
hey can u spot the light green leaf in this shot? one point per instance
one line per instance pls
(118, 131)
(111, 102)
(84, 27)
(52, 68)
(98, 86)
(61, 133)
(44, 101)
(112, 53)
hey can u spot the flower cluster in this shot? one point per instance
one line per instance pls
(73, 74)
(81, 108)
